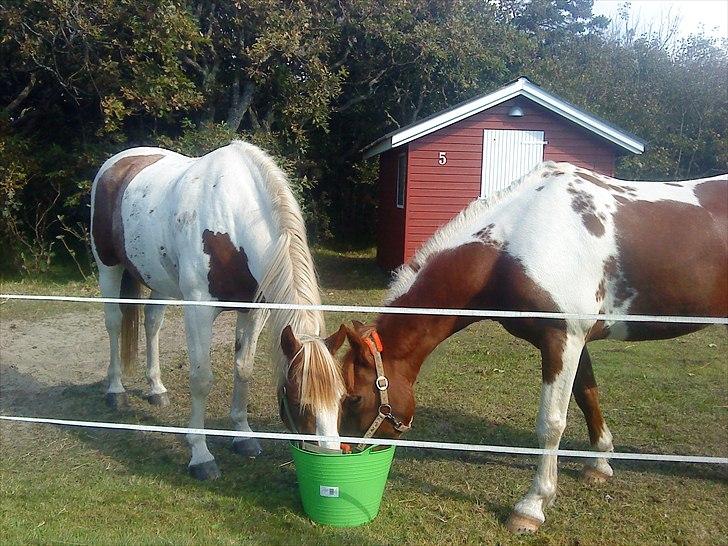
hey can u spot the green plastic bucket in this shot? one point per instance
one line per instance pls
(342, 490)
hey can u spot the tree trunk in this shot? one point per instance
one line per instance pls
(239, 102)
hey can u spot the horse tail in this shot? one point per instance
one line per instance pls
(130, 289)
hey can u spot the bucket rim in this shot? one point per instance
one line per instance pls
(368, 451)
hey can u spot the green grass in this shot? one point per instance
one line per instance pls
(89, 487)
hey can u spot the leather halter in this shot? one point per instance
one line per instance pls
(382, 384)
(286, 409)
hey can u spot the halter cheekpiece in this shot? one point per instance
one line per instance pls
(382, 384)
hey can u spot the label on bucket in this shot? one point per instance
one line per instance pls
(328, 491)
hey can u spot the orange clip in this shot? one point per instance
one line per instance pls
(371, 345)
(377, 341)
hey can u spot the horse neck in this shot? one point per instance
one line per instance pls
(409, 339)
(465, 277)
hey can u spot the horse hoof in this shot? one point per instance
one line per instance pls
(205, 471)
(117, 400)
(161, 399)
(520, 524)
(593, 476)
(247, 447)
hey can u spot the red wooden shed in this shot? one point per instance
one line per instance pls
(432, 169)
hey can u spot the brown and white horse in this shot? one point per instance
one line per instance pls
(561, 239)
(220, 227)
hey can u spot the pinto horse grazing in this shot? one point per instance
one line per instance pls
(220, 227)
(561, 239)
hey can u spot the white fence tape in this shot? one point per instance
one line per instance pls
(392, 310)
(377, 441)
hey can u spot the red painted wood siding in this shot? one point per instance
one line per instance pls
(436, 193)
(390, 218)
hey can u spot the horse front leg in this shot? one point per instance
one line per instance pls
(198, 326)
(247, 332)
(153, 320)
(586, 395)
(559, 361)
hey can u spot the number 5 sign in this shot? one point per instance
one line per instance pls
(442, 158)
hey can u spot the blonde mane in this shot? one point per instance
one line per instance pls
(456, 232)
(290, 277)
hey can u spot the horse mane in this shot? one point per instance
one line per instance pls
(457, 231)
(290, 277)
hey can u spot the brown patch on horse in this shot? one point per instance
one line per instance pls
(583, 204)
(622, 291)
(586, 395)
(475, 276)
(601, 290)
(229, 278)
(108, 226)
(712, 196)
(486, 235)
(679, 265)
(548, 174)
(600, 182)
(593, 179)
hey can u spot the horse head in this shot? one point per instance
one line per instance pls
(380, 399)
(310, 393)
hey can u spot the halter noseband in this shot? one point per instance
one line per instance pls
(382, 384)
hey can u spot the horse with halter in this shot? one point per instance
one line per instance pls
(561, 239)
(223, 227)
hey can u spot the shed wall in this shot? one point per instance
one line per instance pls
(436, 193)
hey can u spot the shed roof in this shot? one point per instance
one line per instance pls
(521, 87)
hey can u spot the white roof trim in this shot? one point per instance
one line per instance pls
(523, 87)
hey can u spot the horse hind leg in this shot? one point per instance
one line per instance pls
(586, 394)
(560, 360)
(247, 332)
(110, 285)
(153, 320)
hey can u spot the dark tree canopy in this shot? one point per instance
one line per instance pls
(314, 82)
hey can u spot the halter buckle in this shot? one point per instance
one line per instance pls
(382, 383)
(385, 409)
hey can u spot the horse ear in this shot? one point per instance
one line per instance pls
(336, 340)
(358, 347)
(289, 344)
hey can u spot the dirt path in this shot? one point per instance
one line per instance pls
(48, 355)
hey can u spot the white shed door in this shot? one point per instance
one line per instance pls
(507, 156)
